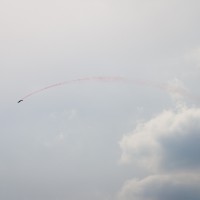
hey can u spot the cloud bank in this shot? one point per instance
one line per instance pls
(166, 147)
(165, 187)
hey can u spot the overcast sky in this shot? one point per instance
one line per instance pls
(136, 139)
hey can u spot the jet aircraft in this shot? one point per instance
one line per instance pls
(20, 101)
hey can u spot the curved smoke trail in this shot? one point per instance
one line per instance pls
(161, 86)
(99, 78)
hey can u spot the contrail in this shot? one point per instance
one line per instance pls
(145, 83)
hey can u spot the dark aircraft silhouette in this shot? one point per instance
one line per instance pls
(20, 101)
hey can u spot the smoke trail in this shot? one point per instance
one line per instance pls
(145, 83)
(99, 78)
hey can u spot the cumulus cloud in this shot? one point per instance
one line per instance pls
(165, 187)
(167, 148)
(168, 141)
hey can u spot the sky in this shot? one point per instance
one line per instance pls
(128, 127)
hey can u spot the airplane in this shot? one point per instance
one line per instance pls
(20, 101)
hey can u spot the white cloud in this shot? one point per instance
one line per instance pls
(169, 140)
(177, 91)
(165, 187)
(167, 148)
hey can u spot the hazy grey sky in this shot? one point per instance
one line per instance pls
(100, 140)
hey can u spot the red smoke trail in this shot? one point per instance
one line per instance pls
(160, 86)
(99, 78)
